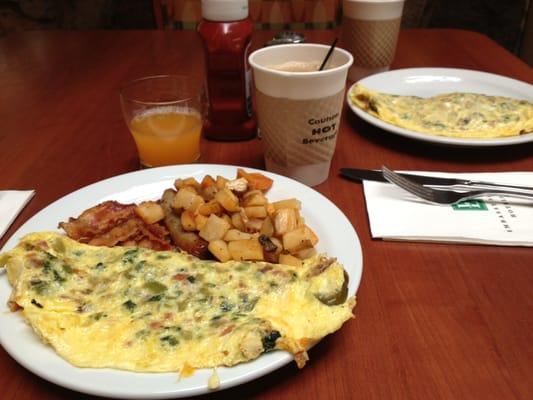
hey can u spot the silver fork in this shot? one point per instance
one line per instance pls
(446, 196)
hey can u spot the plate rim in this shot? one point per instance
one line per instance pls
(274, 360)
(434, 139)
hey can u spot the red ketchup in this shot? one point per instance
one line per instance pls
(226, 33)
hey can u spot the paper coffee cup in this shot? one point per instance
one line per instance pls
(370, 32)
(299, 112)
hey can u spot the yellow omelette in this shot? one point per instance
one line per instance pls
(142, 310)
(461, 115)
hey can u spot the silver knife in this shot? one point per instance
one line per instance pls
(375, 175)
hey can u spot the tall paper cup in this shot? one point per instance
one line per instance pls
(370, 32)
(299, 112)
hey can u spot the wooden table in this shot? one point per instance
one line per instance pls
(432, 320)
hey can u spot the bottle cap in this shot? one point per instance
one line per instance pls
(224, 10)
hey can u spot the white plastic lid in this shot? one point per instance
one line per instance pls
(224, 10)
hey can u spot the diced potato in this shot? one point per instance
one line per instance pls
(211, 207)
(235, 234)
(187, 241)
(255, 180)
(289, 259)
(200, 221)
(209, 192)
(191, 189)
(236, 221)
(254, 225)
(214, 228)
(220, 250)
(267, 228)
(254, 198)
(207, 181)
(278, 244)
(228, 200)
(305, 253)
(187, 220)
(191, 182)
(288, 203)
(196, 203)
(255, 211)
(284, 221)
(150, 212)
(228, 219)
(313, 235)
(178, 183)
(297, 239)
(239, 185)
(249, 249)
(221, 182)
(244, 217)
(270, 209)
(185, 199)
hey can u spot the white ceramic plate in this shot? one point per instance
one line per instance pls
(337, 238)
(426, 82)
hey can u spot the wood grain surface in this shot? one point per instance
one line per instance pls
(433, 321)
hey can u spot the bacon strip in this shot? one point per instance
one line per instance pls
(112, 223)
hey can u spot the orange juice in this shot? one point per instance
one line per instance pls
(167, 135)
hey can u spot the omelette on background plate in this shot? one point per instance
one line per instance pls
(460, 115)
(137, 309)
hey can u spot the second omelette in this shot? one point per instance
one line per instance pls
(461, 115)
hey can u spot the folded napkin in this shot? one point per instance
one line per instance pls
(11, 204)
(499, 220)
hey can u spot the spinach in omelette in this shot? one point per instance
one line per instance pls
(142, 310)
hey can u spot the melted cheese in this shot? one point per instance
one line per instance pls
(142, 310)
(467, 115)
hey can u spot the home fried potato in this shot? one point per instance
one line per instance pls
(238, 221)
(217, 217)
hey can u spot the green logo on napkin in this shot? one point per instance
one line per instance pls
(478, 205)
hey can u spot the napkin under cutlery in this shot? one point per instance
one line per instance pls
(395, 214)
(11, 204)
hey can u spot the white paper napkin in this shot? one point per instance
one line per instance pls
(398, 215)
(11, 204)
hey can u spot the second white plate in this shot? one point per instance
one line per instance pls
(426, 82)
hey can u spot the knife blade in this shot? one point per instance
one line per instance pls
(356, 174)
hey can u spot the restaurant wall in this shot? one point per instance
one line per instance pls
(506, 21)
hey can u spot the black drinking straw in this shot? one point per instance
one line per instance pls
(328, 55)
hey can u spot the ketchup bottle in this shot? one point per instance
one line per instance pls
(226, 33)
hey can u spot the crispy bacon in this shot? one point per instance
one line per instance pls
(112, 223)
(97, 220)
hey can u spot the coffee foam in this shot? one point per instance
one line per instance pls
(299, 86)
(296, 66)
(301, 66)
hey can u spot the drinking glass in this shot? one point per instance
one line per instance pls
(165, 116)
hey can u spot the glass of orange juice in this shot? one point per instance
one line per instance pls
(164, 115)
